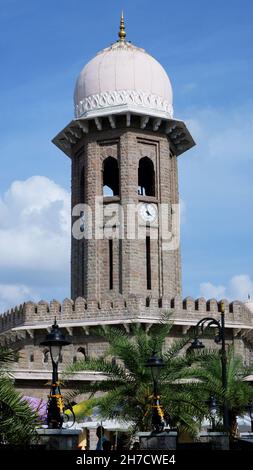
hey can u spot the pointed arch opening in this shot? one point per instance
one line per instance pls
(146, 177)
(110, 177)
(81, 353)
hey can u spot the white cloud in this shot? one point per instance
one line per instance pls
(12, 295)
(35, 225)
(215, 180)
(238, 288)
(241, 286)
(34, 239)
(209, 291)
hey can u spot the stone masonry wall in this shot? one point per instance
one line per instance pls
(122, 309)
(76, 318)
(90, 260)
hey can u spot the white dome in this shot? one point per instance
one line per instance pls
(123, 78)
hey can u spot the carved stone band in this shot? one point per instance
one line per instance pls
(134, 98)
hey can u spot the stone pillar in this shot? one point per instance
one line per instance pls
(247, 436)
(219, 440)
(59, 439)
(158, 441)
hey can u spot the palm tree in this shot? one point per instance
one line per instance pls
(239, 393)
(128, 389)
(17, 420)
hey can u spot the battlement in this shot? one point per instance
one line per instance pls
(121, 309)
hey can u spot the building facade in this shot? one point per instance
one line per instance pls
(125, 258)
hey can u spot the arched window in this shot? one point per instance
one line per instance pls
(31, 357)
(110, 177)
(146, 177)
(82, 351)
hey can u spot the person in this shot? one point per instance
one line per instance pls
(101, 437)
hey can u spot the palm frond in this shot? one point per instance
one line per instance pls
(114, 371)
(7, 357)
(186, 382)
(18, 421)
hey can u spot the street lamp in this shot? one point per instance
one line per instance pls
(219, 338)
(55, 340)
(156, 364)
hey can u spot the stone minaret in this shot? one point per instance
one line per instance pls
(123, 144)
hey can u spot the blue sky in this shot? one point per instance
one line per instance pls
(206, 48)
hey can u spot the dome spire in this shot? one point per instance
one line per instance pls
(122, 32)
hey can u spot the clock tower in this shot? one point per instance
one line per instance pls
(123, 144)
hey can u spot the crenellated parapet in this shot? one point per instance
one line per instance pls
(12, 318)
(120, 310)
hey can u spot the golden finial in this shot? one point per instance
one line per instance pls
(122, 32)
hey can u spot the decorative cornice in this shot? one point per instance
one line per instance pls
(178, 134)
(125, 98)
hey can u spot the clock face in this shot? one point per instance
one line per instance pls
(148, 212)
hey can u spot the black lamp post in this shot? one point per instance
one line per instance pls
(220, 338)
(156, 363)
(55, 340)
